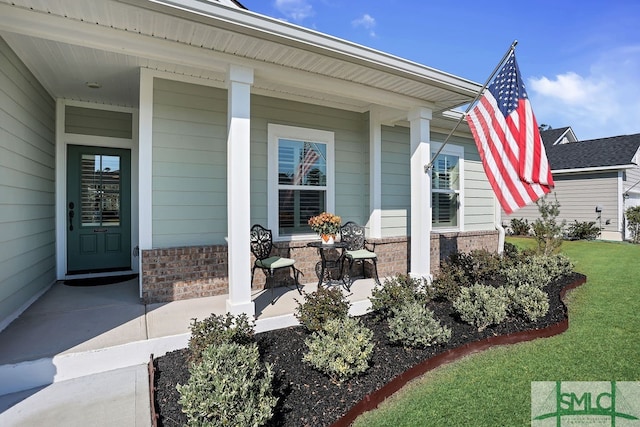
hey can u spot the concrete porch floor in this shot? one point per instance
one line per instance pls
(73, 333)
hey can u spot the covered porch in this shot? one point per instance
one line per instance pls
(200, 113)
(74, 331)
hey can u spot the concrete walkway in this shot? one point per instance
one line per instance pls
(78, 355)
(114, 398)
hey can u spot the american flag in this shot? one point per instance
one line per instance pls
(508, 139)
(311, 156)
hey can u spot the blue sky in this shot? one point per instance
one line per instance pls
(580, 59)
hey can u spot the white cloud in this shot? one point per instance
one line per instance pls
(296, 10)
(569, 88)
(604, 101)
(367, 22)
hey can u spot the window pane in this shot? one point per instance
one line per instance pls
(445, 173)
(100, 187)
(302, 163)
(445, 209)
(295, 209)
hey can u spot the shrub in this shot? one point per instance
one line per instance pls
(482, 305)
(341, 350)
(530, 273)
(511, 255)
(520, 227)
(229, 387)
(556, 265)
(395, 292)
(478, 265)
(633, 223)
(538, 270)
(462, 269)
(546, 229)
(320, 306)
(447, 282)
(218, 329)
(487, 265)
(528, 302)
(583, 230)
(510, 251)
(414, 325)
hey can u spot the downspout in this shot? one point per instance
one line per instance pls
(498, 224)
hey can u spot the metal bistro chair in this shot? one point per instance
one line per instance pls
(261, 245)
(353, 234)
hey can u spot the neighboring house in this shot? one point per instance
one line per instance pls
(147, 137)
(596, 180)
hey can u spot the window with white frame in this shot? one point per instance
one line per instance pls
(446, 187)
(300, 178)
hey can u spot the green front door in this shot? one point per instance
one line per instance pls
(98, 206)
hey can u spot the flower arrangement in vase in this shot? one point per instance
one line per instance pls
(327, 225)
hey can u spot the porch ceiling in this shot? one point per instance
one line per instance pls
(68, 43)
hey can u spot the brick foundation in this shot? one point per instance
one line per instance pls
(181, 273)
(199, 271)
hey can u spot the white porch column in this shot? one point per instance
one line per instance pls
(420, 119)
(145, 168)
(239, 83)
(145, 165)
(375, 173)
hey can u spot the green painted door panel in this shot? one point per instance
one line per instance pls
(98, 209)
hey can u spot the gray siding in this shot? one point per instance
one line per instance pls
(578, 195)
(27, 196)
(351, 152)
(189, 160)
(479, 210)
(92, 121)
(189, 164)
(396, 181)
(632, 182)
(396, 184)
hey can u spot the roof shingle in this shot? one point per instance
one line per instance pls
(603, 152)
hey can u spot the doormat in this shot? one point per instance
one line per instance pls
(99, 281)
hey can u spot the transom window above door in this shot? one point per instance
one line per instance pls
(301, 178)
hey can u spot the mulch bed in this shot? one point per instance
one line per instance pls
(307, 397)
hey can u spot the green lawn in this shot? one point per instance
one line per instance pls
(493, 388)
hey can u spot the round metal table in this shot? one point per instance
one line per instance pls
(327, 262)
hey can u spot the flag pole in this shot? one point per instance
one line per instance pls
(478, 95)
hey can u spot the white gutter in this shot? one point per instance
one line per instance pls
(498, 225)
(594, 169)
(257, 25)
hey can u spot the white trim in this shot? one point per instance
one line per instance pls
(277, 132)
(61, 193)
(458, 151)
(620, 199)
(96, 106)
(594, 169)
(287, 34)
(64, 139)
(101, 35)
(239, 80)
(145, 151)
(375, 173)
(420, 155)
(101, 141)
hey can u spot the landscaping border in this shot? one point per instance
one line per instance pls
(373, 400)
(152, 391)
